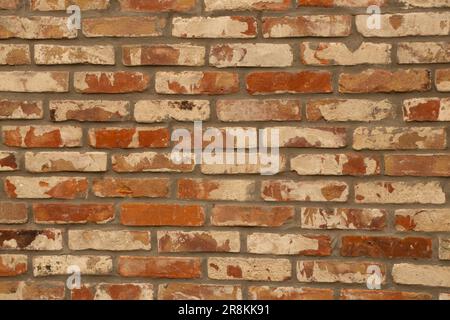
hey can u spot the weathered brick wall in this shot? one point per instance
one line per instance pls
(88, 181)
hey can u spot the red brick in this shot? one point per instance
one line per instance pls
(426, 165)
(20, 109)
(13, 212)
(9, 4)
(111, 82)
(46, 188)
(113, 291)
(31, 240)
(385, 81)
(163, 55)
(145, 214)
(65, 213)
(289, 82)
(443, 80)
(426, 109)
(357, 294)
(32, 290)
(251, 216)
(160, 267)
(13, 265)
(197, 241)
(8, 161)
(125, 138)
(386, 247)
(123, 27)
(148, 162)
(42, 136)
(157, 6)
(131, 188)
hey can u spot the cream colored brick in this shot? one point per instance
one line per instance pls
(253, 163)
(55, 54)
(59, 265)
(336, 53)
(317, 137)
(335, 164)
(423, 220)
(220, 5)
(407, 24)
(46, 187)
(249, 269)
(336, 271)
(444, 248)
(392, 138)
(65, 161)
(318, 190)
(251, 55)
(34, 81)
(109, 240)
(53, 5)
(399, 192)
(88, 110)
(423, 275)
(286, 244)
(36, 27)
(164, 54)
(349, 110)
(214, 27)
(32, 240)
(426, 3)
(423, 52)
(14, 54)
(149, 111)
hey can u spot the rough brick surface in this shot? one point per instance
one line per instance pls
(335, 271)
(90, 117)
(113, 291)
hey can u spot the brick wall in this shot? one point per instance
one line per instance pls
(88, 181)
